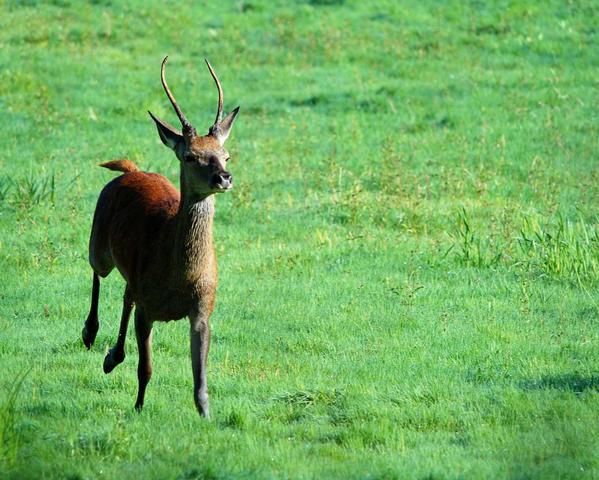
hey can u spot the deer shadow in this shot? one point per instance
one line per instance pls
(570, 382)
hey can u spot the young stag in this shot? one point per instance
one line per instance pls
(160, 241)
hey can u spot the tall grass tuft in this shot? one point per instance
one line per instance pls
(564, 249)
(5, 186)
(33, 189)
(9, 437)
(560, 248)
(472, 248)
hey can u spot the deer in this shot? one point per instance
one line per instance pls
(161, 242)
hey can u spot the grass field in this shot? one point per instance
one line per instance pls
(409, 261)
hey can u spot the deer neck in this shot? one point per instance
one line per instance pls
(194, 244)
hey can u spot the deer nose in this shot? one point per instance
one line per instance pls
(223, 179)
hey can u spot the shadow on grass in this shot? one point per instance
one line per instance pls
(571, 382)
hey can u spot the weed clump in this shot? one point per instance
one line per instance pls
(560, 249)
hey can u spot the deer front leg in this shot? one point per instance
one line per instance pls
(91, 325)
(116, 354)
(143, 332)
(200, 344)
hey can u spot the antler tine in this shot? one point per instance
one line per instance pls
(187, 127)
(219, 112)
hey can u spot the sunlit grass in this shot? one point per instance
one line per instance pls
(408, 264)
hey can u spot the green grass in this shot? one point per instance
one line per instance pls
(409, 262)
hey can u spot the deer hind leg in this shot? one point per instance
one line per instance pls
(102, 264)
(91, 325)
(200, 344)
(116, 354)
(143, 332)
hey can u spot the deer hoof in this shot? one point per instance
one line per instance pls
(203, 406)
(88, 334)
(112, 359)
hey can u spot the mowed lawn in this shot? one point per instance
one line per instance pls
(409, 260)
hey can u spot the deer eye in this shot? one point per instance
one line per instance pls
(227, 159)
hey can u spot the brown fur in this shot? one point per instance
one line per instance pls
(207, 143)
(140, 228)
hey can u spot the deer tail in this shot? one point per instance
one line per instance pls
(124, 166)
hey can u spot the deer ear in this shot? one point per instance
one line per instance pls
(222, 130)
(169, 135)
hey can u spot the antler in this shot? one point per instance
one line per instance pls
(219, 112)
(188, 129)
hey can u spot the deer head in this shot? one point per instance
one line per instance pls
(203, 157)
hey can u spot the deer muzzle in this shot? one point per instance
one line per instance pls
(222, 181)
